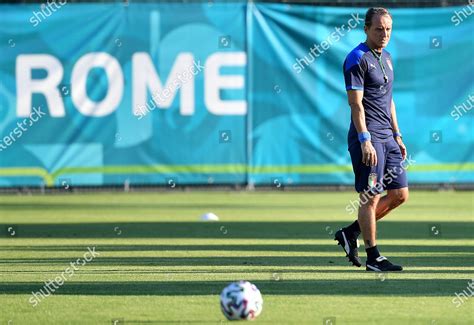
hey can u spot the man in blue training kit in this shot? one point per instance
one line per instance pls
(375, 142)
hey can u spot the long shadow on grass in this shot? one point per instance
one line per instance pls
(387, 285)
(269, 271)
(226, 230)
(460, 260)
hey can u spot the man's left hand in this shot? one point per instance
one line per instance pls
(403, 149)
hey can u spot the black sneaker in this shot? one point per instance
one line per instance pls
(349, 244)
(381, 264)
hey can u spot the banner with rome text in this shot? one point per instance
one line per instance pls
(219, 93)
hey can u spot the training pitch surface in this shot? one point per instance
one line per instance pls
(156, 263)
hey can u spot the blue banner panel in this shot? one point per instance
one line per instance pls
(134, 94)
(170, 94)
(298, 103)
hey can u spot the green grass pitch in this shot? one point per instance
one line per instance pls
(158, 264)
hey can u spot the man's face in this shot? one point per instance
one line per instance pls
(380, 30)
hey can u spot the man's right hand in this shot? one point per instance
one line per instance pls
(369, 155)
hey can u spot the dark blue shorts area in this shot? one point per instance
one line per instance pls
(388, 174)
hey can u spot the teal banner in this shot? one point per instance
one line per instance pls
(175, 94)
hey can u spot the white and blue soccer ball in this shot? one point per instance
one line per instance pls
(241, 301)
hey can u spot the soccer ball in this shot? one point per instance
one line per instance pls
(241, 300)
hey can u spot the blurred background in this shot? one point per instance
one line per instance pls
(125, 94)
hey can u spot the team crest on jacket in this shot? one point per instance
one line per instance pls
(389, 63)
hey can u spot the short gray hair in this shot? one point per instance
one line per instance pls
(375, 11)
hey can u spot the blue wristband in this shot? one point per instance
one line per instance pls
(397, 134)
(364, 136)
